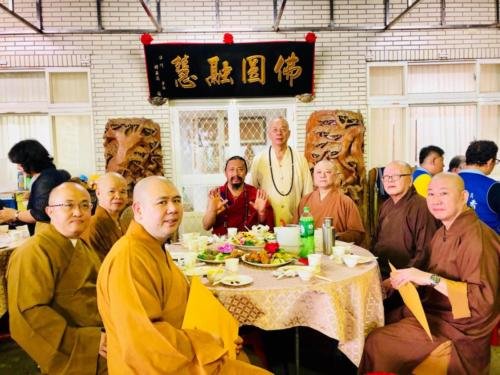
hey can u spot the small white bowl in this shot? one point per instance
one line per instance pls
(351, 260)
(305, 273)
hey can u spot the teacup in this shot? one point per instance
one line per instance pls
(314, 261)
(231, 232)
(338, 253)
(232, 264)
(190, 259)
(351, 260)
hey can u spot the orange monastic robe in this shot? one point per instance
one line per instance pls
(102, 232)
(142, 298)
(346, 218)
(52, 303)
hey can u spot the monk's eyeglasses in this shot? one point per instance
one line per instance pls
(395, 177)
(70, 206)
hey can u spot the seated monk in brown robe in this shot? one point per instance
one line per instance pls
(328, 201)
(460, 296)
(105, 227)
(52, 290)
(404, 231)
(142, 297)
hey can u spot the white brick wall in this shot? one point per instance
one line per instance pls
(119, 85)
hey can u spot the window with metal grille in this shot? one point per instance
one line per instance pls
(205, 136)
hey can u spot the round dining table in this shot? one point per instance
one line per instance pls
(6, 249)
(344, 304)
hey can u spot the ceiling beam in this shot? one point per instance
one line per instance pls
(332, 13)
(39, 15)
(401, 15)
(21, 19)
(158, 27)
(277, 19)
(99, 14)
(443, 12)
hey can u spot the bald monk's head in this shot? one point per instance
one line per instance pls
(157, 207)
(446, 197)
(112, 193)
(397, 179)
(325, 175)
(69, 209)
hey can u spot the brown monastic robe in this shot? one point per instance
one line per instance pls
(142, 297)
(467, 253)
(102, 232)
(52, 303)
(346, 218)
(404, 232)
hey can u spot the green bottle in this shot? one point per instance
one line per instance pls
(306, 225)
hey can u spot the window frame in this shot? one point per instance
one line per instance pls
(426, 99)
(51, 110)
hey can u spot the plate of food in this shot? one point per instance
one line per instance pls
(217, 257)
(236, 280)
(262, 258)
(247, 241)
(197, 271)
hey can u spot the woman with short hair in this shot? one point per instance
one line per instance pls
(33, 159)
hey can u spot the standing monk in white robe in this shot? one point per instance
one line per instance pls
(282, 173)
(142, 297)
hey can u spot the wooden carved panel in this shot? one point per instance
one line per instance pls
(338, 136)
(132, 147)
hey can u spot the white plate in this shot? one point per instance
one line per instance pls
(237, 280)
(211, 261)
(177, 255)
(263, 265)
(362, 259)
(248, 247)
(197, 271)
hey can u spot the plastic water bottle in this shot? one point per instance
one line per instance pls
(306, 225)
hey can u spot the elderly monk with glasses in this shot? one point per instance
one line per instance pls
(52, 290)
(105, 226)
(405, 227)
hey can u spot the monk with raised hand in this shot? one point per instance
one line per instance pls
(459, 296)
(142, 297)
(105, 227)
(52, 290)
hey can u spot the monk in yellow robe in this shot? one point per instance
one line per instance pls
(328, 201)
(460, 293)
(52, 290)
(105, 226)
(142, 297)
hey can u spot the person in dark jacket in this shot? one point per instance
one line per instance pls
(34, 160)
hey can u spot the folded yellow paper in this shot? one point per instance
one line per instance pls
(206, 313)
(411, 299)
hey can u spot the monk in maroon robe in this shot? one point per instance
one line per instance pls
(460, 300)
(405, 225)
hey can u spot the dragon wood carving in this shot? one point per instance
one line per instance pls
(132, 147)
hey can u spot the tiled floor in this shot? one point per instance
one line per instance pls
(13, 361)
